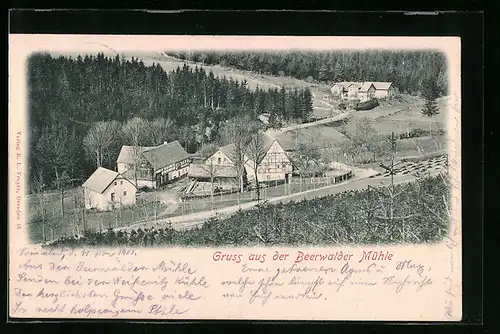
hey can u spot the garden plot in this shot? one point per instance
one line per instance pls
(419, 167)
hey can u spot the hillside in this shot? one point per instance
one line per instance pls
(352, 217)
(254, 80)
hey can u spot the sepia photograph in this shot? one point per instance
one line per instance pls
(238, 148)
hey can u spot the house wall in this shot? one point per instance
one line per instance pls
(275, 165)
(219, 159)
(125, 194)
(123, 167)
(95, 200)
(364, 96)
(391, 91)
(352, 92)
(383, 93)
(145, 184)
(337, 90)
(171, 172)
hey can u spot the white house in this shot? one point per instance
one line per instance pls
(383, 89)
(367, 91)
(353, 89)
(363, 90)
(346, 89)
(275, 164)
(154, 166)
(106, 189)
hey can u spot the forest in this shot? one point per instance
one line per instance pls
(415, 213)
(406, 69)
(74, 99)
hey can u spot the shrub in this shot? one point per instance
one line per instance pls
(351, 217)
(367, 105)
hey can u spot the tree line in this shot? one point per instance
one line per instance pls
(406, 69)
(74, 99)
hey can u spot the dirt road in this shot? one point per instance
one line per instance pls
(198, 218)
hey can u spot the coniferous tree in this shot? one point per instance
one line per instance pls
(430, 93)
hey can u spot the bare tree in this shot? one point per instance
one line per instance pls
(256, 153)
(62, 184)
(39, 188)
(238, 132)
(363, 139)
(159, 130)
(307, 159)
(135, 131)
(100, 138)
(211, 169)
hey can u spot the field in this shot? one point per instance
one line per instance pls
(352, 217)
(55, 225)
(402, 116)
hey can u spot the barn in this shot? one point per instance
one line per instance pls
(154, 166)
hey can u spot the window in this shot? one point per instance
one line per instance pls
(125, 193)
(112, 197)
(121, 182)
(116, 183)
(218, 160)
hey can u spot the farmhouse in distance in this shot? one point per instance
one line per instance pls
(363, 91)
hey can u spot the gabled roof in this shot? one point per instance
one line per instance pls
(382, 85)
(127, 153)
(227, 150)
(158, 156)
(165, 155)
(344, 85)
(366, 85)
(100, 179)
(356, 84)
(267, 140)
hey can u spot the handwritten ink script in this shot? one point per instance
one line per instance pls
(125, 283)
(319, 276)
(90, 283)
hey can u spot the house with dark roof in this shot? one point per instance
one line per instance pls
(152, 167)
(106, 189)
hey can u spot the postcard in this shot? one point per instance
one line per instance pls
(234, 177)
